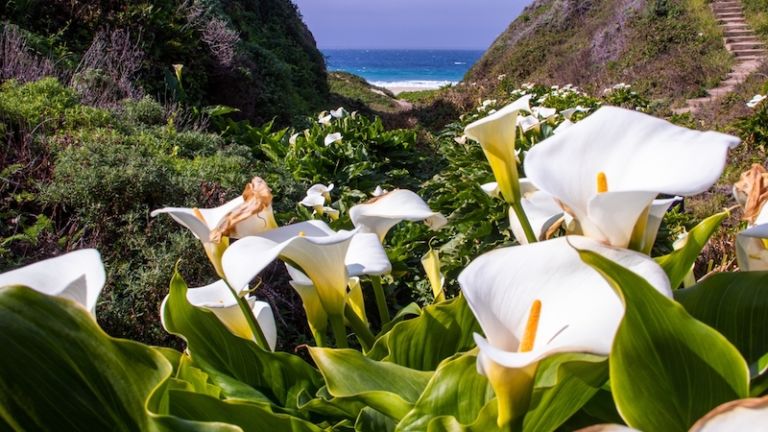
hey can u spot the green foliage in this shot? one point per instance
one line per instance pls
(90, 381)
(658, 333)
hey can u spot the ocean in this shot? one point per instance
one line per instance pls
(403, 68)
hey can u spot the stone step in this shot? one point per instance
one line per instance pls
(731, 21)
(753, 45)
(735, 26)
(749, 52)
(726, 9)
(726, 4)
(719, 91)
(738, 32)
(726, 15)
(742, 38)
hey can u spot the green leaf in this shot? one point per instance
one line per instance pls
(736, 305)
(666, 368)
(455, 390)
(372, 420)
(247, 416)
(486, 421)
(386, 387)
(229, 359)
(60, 371)
(564, 383)
(678, 263)
(441, 331)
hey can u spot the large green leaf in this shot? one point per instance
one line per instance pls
(372, 420)
(247, 416)
(678, 263)
(386, 387)
(455, 390)
(486, 421)
(441, 331)
(232, 361)
(736, 305)
(666, 368)
(564, 383)
(60, 371)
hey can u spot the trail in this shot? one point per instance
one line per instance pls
(740, 41)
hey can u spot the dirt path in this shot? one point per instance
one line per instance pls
(742, 42)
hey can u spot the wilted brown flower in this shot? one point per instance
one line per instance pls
(257, 198)
(751, 191)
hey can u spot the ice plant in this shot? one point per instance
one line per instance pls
(77, 276)
(249, 214)
(607, 169)
(548, 302)
(497, 133)
(383, 212)
(217, 298)
(326, 257)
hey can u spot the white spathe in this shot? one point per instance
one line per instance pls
(580, 311)
(641, 156)
(217, 298)
(77, 276)
(381, 213)
(332, 138)
(327, 257)
(263, 221)
(751, 250)
(740, 415)
(496, 134)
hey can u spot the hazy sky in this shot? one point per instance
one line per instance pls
(461, 24)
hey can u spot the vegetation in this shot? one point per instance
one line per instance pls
(355, 93)
(669, 49)
(257, 56)
(756, 12)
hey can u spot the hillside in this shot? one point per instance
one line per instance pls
(668, 49)
(256, 56)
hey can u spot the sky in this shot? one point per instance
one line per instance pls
(381, 24)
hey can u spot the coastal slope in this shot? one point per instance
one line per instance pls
(669, 49)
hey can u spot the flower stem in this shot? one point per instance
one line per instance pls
(339, 331)
(363, 333)
(521, 216)
(261, 340)
(381, 300)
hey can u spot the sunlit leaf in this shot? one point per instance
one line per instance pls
(666, 368)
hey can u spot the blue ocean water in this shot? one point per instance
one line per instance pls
(403, 68)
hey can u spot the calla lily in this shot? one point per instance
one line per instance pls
(739, 415)
(338, 113)
(497, 134)
(577, 310)
(324, 118)
(543, 112)
(321, 189)
(378, 191)
(625, 159)
(293, 138)
(217, 298)
(249, 214)
(77, 276)
(328, 258)
(316, 201)
(491, 189)
(756, 100)
(381, 213)
(568, 113)
(431, 263)
(752, 244)
(332, 138)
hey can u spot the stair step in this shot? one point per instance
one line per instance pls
(731, 21)
(749, 52)
(755, 45)
(739, 32)
(725, 9)
(726, 15)
(736, 26)
(740, 39)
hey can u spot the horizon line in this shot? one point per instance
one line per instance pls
(404, 49)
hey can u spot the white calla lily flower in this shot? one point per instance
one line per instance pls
(77, 276)
(562, 126)
(752, 244)
(378, 191)
(332, 138)
(324, 118)
(496, 134)
(381, 213)
(543, 112)
(313, 201)
(321, 189)
(217, 298)
(625, 160)
(549, 302)
(756, 100)
(739, 415)
(528, 122)
(491, 189)
(293, 138)
(249, 214)
(338, 113)
(328, 258)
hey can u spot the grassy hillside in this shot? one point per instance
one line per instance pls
(257, 56)
(668, 49)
